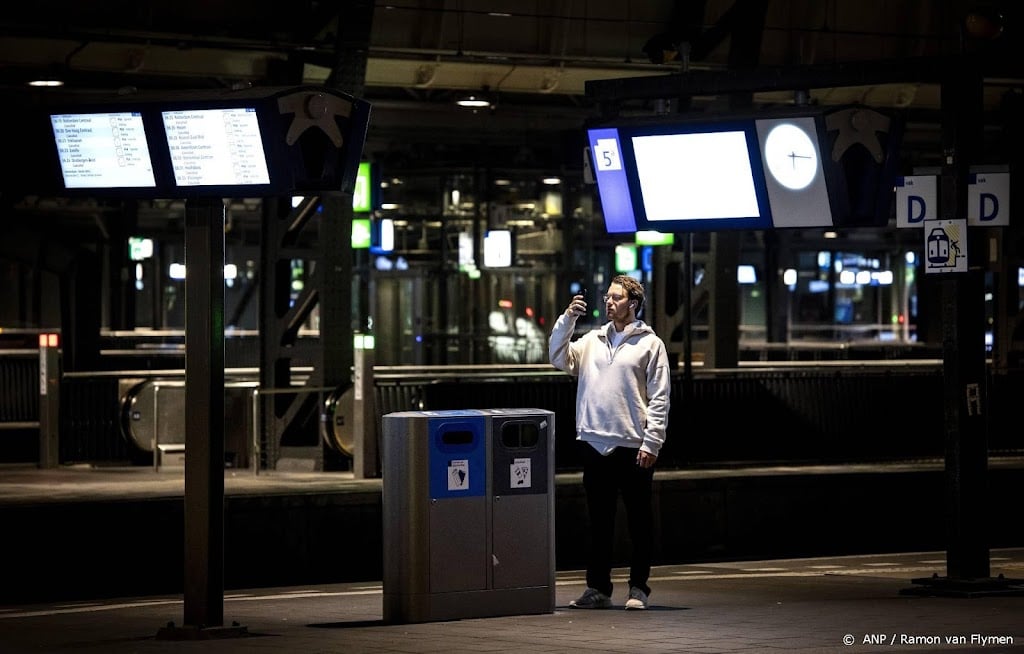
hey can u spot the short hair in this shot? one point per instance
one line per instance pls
(634, 289)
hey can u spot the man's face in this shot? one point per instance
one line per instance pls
(616, 303)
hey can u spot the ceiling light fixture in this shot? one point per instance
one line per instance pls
(476, 100)
(473, 101)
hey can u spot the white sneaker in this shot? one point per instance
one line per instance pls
(637, 599)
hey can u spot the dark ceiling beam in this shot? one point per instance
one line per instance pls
(744, 22)
(683, 26)
(927, 70)
(685, 35)
(745, 18)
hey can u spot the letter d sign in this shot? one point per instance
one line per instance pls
(988, 199)
(915, 200)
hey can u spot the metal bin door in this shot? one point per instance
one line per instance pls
(458, 505)
(523, 501)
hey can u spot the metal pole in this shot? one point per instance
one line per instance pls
(156, 426)
(254, 463)
(204, 413)
(49, 401)
(364, 427)
(204, 425)
(687, 299)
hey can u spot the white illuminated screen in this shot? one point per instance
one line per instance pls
(498, 248)
(104, 150)
(216, 147)
(466, 249)
(387, 234)
(695, 176)
(746, 274)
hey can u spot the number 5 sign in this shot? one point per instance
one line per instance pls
(606, 155)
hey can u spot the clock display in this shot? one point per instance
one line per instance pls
(790, 156)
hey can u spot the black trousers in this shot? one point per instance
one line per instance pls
(604, 479)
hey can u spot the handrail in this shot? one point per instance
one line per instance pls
(476, 371)
(170, 372)
(483, 371)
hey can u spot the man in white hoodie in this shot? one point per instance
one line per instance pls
(622, 404)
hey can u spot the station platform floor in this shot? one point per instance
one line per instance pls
(29, 484)
(853, 604)
(882, 602)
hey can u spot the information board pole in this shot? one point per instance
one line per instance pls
(204, 422)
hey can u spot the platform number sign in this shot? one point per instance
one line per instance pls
(606, 155)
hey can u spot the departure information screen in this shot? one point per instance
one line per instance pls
(103, 150)
(216, 147)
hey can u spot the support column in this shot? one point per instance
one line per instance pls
(965, 396)
(723, 317)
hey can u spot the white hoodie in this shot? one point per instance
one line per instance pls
(622, 395)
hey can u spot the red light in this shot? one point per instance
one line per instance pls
(901, 319)
(529, 312)
(49, 340)
(505, 304)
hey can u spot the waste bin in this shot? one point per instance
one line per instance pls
(468, 513)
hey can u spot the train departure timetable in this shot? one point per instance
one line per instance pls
(103, 150)
(216, 147)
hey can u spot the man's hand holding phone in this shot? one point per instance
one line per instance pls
(578, 305)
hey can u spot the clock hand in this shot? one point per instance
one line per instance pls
(794, 156)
